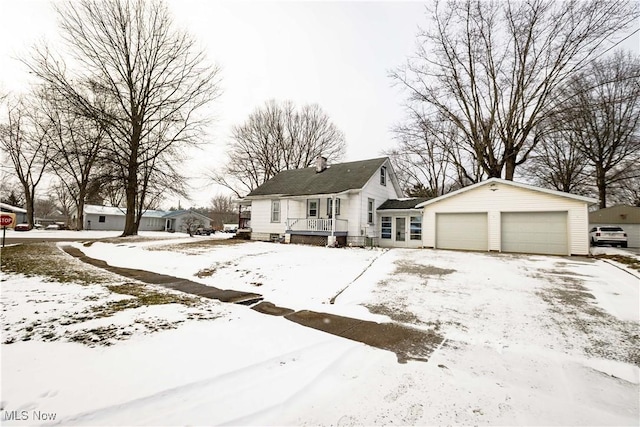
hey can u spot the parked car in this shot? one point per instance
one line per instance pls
(204, 231)
(22, 227)
(52, 227)
(611, 235)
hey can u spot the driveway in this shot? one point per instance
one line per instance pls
(526, 340)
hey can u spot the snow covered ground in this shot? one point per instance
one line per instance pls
(529, 340)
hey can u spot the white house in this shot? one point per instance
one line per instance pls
(113, 218)
(506, 216)
(361, 202)
(21, 213)
(323, 204)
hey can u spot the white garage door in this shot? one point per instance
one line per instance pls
(462, 231)
(535, 232)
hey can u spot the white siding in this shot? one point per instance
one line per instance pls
(507, 198)
(261, 224)
(112, 222)
(379, 193)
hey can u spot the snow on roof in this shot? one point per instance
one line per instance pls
(118, 211)
(11, 208)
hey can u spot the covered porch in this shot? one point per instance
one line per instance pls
(317, 226)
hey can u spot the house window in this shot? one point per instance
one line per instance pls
(102, 218)
(385, 231)
(312, 208)
(383, 175)
(415, 231)
(330, 207)
(370, 203)
(275, 211)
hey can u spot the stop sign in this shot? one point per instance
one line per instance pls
(6, 220)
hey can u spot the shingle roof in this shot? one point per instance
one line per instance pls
(402, 203)
(335, 179)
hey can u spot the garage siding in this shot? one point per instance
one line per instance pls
(499, 198)
(535, 232)
(466, 231)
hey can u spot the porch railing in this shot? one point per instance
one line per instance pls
(316, 224)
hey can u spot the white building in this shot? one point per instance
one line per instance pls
(113, 218)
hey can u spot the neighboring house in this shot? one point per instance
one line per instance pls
(21, 214)
(182, 220)
(113, 218)
(627, 217)
(323, 204)
(506, 216)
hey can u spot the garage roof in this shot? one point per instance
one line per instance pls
(496, 181)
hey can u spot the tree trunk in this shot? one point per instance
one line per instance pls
(131, 188)
(82, 194)
(30, 202)
(602, 187)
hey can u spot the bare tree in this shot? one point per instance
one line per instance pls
(428, 159)
(151, 80)
(77, 145)
(602, 112)
(64, 201)
(278, 137)
(191, 223)
(223, 210)
(557, 163)
(491, 68)
(25, 140)
(46, 207)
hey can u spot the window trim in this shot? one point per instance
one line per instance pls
(412, 235)
(329, 203)
(275, 213)
(317, 202)
(370, 208)
(383, 221)
(383, 176)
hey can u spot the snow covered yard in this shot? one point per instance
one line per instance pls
(528, 340)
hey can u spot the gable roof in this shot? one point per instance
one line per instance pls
(618, 214)
(175, 214)
(409, 203)
(490, 181)
(335, 179)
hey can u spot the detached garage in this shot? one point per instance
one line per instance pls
(506, 216)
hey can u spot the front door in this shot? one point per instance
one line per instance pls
(400, 229)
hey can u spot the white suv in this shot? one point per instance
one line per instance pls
(612, 235)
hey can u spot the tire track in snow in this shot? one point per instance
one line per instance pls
(224, 398)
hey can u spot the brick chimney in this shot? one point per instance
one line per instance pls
(321, 164)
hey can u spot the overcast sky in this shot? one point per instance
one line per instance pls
(335, 54)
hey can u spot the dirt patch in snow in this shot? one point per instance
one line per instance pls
(407, 267)
(574, 311)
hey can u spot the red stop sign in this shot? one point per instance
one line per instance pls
(5, 221)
